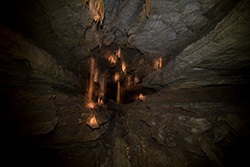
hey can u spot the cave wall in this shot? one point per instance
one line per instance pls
(220, 57)
(56, 26)
(179, 22)
(29, 77)
(23, 61)
(42, 105)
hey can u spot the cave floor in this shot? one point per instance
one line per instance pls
(206, 126)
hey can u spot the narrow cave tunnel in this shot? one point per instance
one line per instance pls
(125, 83)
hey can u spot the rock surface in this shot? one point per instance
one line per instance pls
(25, 64)
(66, 30)
(212, 60)
(44, 56)
(177, 134)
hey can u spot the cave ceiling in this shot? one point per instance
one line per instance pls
(66, 29)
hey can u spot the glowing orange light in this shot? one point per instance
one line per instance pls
(117, 77)
(100, 101)
(118, 54)
(123, 67)
(112, 59)
(92, 122)
(160, 63)
(141, 97)
(91, 105)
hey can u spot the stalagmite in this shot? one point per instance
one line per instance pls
(102, 85)
(129, 81)
(118, 93)
(117, 77)
(92, 122)
(102, 89)
(96, 76)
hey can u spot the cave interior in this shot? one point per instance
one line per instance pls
(125, 83)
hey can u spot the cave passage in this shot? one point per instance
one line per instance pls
(117, 83)
(113, 66)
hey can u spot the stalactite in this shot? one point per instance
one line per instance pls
(85, 2)
(148, 4)
(101, 11)
(97, 10)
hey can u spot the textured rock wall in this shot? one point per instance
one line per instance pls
(220, 57)
(67, 31)
(36, 65)
(57, 26)
(173, 25)
(28, 76)
(43, 107)
(188, 127)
